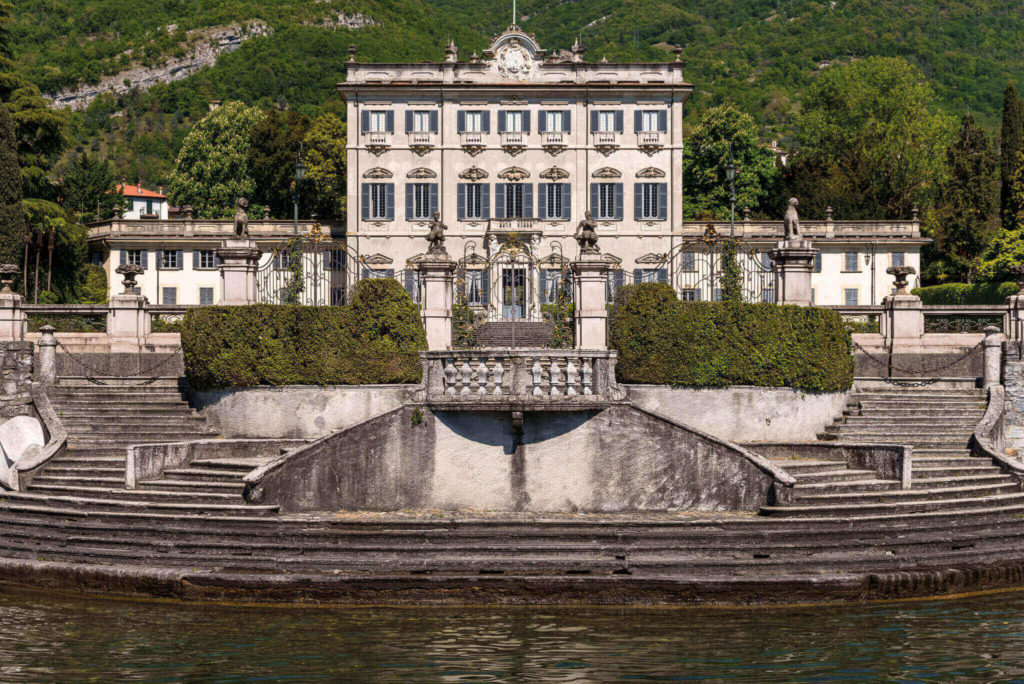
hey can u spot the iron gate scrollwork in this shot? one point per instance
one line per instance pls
(717, 267)
(311, 270)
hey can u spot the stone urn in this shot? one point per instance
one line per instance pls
(7, 273)
(129, 272)
(900, 273)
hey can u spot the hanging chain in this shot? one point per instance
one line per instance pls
(93, 373)
(887, 364)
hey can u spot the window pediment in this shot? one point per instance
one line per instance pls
(650, 172)
(377, 260)
(377, 172)
(422, 173)
(473, 173)
(651, 258)
(554, 173)
(607, 172)
(514, 174)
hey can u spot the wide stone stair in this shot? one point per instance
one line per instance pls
(944, 475)
(519, 334)
(102, 421)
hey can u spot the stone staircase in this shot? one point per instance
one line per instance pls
(944, 476)
(102, 420)
(519, 334)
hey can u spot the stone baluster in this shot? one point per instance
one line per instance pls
(483, 383)
(498, 374)
(588, 376)
(572, 378)
(556, 377)
(467, 373)
(537, 372)
(451, 375)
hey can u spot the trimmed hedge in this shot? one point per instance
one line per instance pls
(964, 293)
(373, 340)
(661, 340)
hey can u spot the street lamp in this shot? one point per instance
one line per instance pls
(300, 173)
(730, 173)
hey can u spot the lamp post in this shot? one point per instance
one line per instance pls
(730, 173)
(300, 173)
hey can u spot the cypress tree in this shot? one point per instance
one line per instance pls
(12, 216)
(1011, 144)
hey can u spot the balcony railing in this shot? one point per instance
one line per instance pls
(422, 139)
(513, 138)
(471, 138)
(513, 225)
(650, 139)
(607, 139)
(554, 139)
(377, 140)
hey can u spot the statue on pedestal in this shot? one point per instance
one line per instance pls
(436, 236)
(791, 222)
(242, 218)
(586, 235)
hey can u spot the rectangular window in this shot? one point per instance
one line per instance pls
(766, 261)
(690, 295)
(378, 208)
(850, 262)
(606, 121)
(475, 288)
(207, 259)
(554, 121)
(206, 296)
(169, 295)
(817, 262)
(134, 257)
(170, 259)
(812, 296)
(850, 296)
(553, 200)
(149, 207)
(474, 201)
(649, 122)
(96, 258)
(421, 201)
(606, 204)
(514, 201)
(335, 260)
(552, 285)
(378, 122)
(688, 261)
(474, 122)
(650, 201)
(647, 275)
(412, 284)
(513, 122)
(421, 122)
(899, 259)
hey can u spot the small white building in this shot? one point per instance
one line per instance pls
(140, 203)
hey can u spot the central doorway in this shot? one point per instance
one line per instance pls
(513, 293)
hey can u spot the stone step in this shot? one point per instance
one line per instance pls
(894, 507)
(142, 411)
(881, 422)
(833, 476)
(900, 432)
(233, 487)
(156, 495)
(921, 404)
(896, 495)
(933, 482)
(83, 480)
(942, 452)
(918, 393)
(100, 503)
(133, 434)
(241, 464)
(797, 466)
(206, 474)
(114, 442)
(128, 382)
(912, 411)
(76, 469)
(919, 460)
(924, 470)
(801, 490)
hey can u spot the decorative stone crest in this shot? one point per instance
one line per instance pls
(554, 173)
(377, 172)
(422, 173)
(586, 235)
(7, 273)
(129, 272)
(900, 274)
(514, 174)
(514, 62)
(242, 218)
(606, 148)
(650, 172)
(474, 174)
(420, 148)
(607, 172)
(472, 148)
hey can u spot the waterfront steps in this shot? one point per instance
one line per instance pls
(519, 334)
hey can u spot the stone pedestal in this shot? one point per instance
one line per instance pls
(902, 318)
(437, 273)
(1013, 319)
(46, 356)
(992, 348)
(794, 263)
(239, 259)
(590, 283)
(13, 320)
(128, 322)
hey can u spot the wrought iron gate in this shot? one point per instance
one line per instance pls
(309, 270)
(717, 267)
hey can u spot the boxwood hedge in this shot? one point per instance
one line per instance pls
(966, 293)
(373, 340)
(661, 340)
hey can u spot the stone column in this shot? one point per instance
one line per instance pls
(46, 356)
(992, 347)
(903, 313)
(128, 322)
(239, 259)
(1013, 319)
(437, 274)
(590, 283)
(794, 263)
(13, 320)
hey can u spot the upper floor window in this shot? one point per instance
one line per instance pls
(476, 288)
(170, 259)
(850, 296)
(149, 207)
(378, 121)
(170, 295)
(420, 201)
(555, 201)
(606, 200)
(650, 275)
(651, 121)
(899, 259)
(135, 257)
(553, 121)
(606, 121)
(516, 121)
(688, 261)
(850, 261)
(817, 262)
(206, 259)
(651, 201)
(473, 122)
(513, 200)
(421, 121)
(378, 201)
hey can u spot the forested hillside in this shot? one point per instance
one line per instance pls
(759, 54)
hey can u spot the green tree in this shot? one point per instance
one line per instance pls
(212, 168)
(1011, 143)
(12, 216)
(87, 186)
(326, 183)
(275, 144)
(42, 136)
(870, 131)
(967, 214)
(706, 154)
(1007, 249)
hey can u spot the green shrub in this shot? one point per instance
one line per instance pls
(964, 293)
(661, 340)
(373, 340)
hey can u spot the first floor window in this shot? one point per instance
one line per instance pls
(335, 260)
(149, 207)
(514, 201)
(474, 122)
(96, 258)
(607, 198)
(207, 259)
(474, 201)
(205, 296)
(421, 122)
(377, 198)
(766, 262)
(899, 259)
(476, 283)
(170, 295)
(412, 284)
(650, 275)
(651, 201)
(616, 279)
(688, 261)
(768, 295)
(817, 262)
(378, 122)
(513, 122)
(553, 121)
(606, 122)
(650, 121)
(850, 296)
(134, 257)
(552, 285)
(170, 259)
(377, 273)
(338, 295)
(420, 201)
(553, 201)
(716, 295)
(850, 261)
(690, 295)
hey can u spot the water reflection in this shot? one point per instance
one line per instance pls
(58, 638)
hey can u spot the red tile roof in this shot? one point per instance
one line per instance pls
(138, 191)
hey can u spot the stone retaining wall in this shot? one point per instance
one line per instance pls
(15, 379)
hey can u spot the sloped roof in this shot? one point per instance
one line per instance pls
(138, 191)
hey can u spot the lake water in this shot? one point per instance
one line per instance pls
(60, 638)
